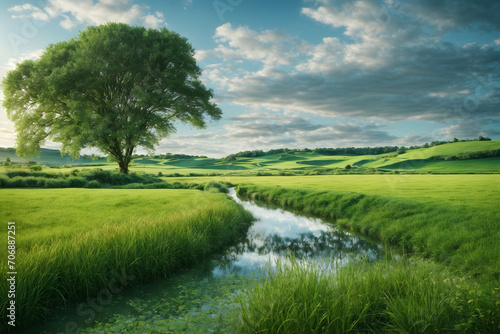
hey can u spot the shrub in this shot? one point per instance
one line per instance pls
(59, 183)
(217, 187)
(34, 174)
(93, 184)
(77, 182)
(4, 182)
(117, 179)
(17, 182)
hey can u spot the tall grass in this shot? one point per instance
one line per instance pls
(70, 263)
(384, 297)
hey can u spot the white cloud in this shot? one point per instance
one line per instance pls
(88, 12)
(497, 41)
(154, 21)
(269, 47)
(29, 11)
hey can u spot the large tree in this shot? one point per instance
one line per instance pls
(114, 88)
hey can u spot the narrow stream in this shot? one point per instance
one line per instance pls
(200, 299)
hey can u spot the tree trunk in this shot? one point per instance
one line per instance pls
(123, 158)
(123, 163)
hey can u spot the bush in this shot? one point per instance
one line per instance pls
(4, 182)
(60, 183)
(34, 174)
(77, 182)
(93, 184)
(117, 179)
(17, 182)
(217, 187)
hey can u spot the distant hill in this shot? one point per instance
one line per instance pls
(456, 157)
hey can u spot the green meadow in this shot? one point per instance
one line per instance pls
(71, 243)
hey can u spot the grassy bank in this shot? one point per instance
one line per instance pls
(383, 297)
(75, 244)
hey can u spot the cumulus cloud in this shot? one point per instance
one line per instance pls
(75, 12)
(269, 47)
(27, 10)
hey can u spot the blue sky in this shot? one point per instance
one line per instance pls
(304, 73)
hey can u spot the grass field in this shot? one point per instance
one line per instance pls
(71, 243)
(481, 192)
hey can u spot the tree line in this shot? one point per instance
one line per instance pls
(351, 150)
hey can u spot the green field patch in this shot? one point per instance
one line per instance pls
(224, 167)
(363, 162)
(290, 157)
(487, 165)
(193, 163)
(146, 161)
(451, 149)
(319, 162)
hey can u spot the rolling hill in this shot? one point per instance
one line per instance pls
(445, 158)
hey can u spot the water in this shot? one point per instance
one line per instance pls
(200, 300)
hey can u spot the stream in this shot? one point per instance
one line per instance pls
(200, 299)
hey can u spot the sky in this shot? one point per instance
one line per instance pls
(303, 73)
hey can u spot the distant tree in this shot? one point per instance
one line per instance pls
(7, 162)
(115, 87)
(348, 167)
(455, 139)
(36, 168)
(401, 150)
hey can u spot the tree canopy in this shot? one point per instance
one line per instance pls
(114, 87)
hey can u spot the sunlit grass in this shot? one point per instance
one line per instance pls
(70, 242)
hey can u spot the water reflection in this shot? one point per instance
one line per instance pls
(277, 233)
